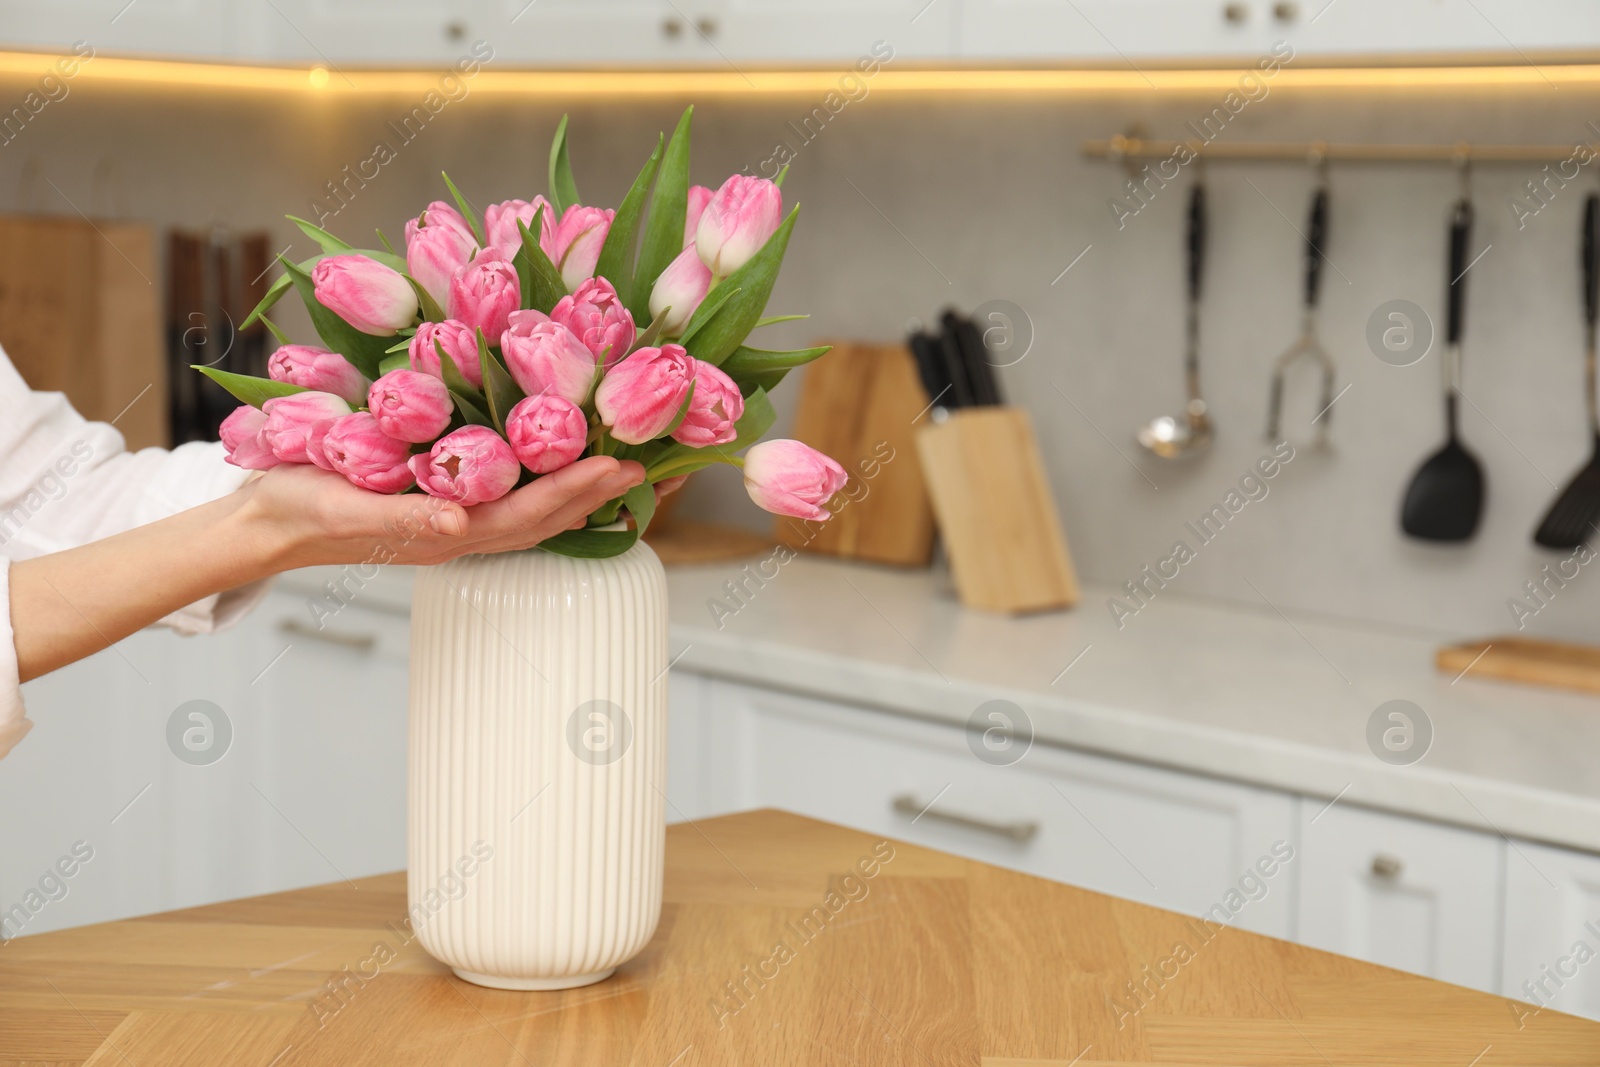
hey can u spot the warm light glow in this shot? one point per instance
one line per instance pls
(157, 73)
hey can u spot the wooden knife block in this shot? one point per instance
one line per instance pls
(858, 404)
(995, 511)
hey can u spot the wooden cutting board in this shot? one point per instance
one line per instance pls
(859, 404)
(996, 512)
(1525, 659)
(80, 313)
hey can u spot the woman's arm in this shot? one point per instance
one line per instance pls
(67, 605)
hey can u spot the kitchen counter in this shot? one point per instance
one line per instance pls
(928, 960)
(1251, 695)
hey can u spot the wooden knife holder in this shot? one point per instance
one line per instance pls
(995, 511)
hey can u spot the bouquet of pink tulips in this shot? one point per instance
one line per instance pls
(502, 348)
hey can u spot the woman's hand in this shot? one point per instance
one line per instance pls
(307, 516)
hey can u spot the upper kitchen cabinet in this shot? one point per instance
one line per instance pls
(145, 27)
(361, 32)
(720, 33)
(1129, 31)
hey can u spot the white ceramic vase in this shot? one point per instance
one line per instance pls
(537, 764)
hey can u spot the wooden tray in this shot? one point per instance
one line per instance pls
(1525, 659)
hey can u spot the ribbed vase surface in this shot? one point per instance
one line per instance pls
(537, 764)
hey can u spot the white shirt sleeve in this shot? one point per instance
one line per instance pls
(66, 481)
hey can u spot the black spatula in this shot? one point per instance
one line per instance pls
(1573, 516)
(1445, 498)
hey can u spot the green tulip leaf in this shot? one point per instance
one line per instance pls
(464, 207)
(387, 247)
(542, 287)
(710, 306)
(563, 189)
(715, 341)
(641, 504)
(272, 328)
(363, 350)
(669, 208)
(395, 361)
(590, 544)
(330, 244)
(651, 332)
(469, 401)
(745, 362)
(616, 254)
(431, 311)
(498, 387)
(249, 390)
(772, 320)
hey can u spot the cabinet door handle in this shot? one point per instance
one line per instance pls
(358, 642)
(1386, 867)
(1020, 830)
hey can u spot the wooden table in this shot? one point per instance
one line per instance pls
(931, 960)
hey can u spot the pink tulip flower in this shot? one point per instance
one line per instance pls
(291, 420)
(435, 252)
(639, 397)
(714, 408)
(241, 436)
(737, 222)
(546, 358)
(318, 369)
(485, 293)
(371, 297)
(500, 223)
(681, 288)
(546, 432)
(471, 465)
(460, 344)
(790, 478)
(356, 447)
(576, 241)
(442, 215)
(699, 197)
(410, 405)
(597, 316)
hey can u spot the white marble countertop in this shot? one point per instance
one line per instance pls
(1254, 696)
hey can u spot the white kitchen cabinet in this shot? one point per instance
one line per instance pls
(1414, 895)
(837, 31)
(1157, 836)
(1121, 32)
(330, 755)
(310, 787)
(1552, 941)
(1107, 32)
(145, 27)
(370, 32)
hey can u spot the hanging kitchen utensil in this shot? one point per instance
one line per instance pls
(1445, 498)
(1168, 437)
(1575, 513)
(1307, 347)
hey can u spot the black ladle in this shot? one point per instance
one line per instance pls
(1573, 516)
(1445, 499)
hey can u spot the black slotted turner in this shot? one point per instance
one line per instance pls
(1573, 515)
(1445, 498)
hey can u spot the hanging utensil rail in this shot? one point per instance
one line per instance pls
(1128, 149)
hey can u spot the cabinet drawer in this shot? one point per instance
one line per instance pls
(1157, 836)
(1413, 895)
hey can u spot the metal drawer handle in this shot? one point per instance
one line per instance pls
(1020, 831)
(1386, 867)
(358, 642)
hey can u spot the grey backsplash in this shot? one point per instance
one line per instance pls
(912, 202)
